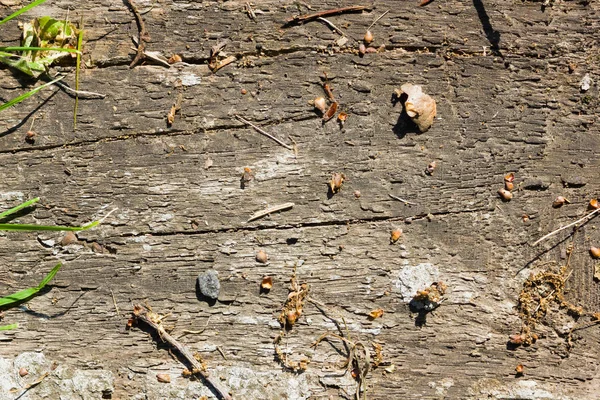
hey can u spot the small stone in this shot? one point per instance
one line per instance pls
(68, 239)
(586, 83)
(574, 181)
(209, 284)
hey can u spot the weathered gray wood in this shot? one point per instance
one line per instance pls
(518, 109)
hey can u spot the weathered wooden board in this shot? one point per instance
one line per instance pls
(506, 77)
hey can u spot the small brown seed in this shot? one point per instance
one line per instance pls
(357, 194)
(509, 177)
(243, 91)
(594, 205)
(505, 194)
(175, 58)
(368, 37)
(519, 369)
(267, 283)
(395, 235)
(23, 372)
(509, 186)
(362, 49)
(559, 202)
(262, 257)
(335, 184)
(595, 252)
(68, 239)
(163, 378)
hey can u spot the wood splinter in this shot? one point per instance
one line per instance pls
(297, 20)
(141, 313)
(270, 210)
(263, 132)
(144, 36)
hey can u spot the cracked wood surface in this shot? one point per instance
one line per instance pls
(506, 100)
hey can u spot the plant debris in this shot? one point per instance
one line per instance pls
(420, 107)
(395, 235)
(335, 184)
(377, 313)
(430, 298)
(143, 37)
(262, 257)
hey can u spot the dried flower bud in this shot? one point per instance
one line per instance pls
(23, 372)
(163, 378)
(519, 369)
(267, 283)
(321, 104)
(559, 202)
(505, 194)
(595, 252)
(395, 235)
(262, 257)
(376, 313)
(368, 37)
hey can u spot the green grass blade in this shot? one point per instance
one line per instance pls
(22, 10)
(25, 48)
(27, 293)
(29, 227)
(22, 97)
(9, 327)
(19, 207)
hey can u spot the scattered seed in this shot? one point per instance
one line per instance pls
(377, 313)
(30, 137)
(320, 104)
(23, 372)
(163, 378)
(519, 369)
(368, 37)
(175, 58)
(593, 205)
(510, 177)
(357, 194)
(243, 91)
(371, 50)
(505, 194)
(559, 202)
(595, 252)
(362, 49)
(335, 184)
(68, 239)
(267, 283)
(262, 257)
(509, 186)
(330, 112)
(342, 117)
(430, 168)
(395, 235)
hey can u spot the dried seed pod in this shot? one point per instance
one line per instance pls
(342, 117)
(262, 257)
(335, 184)
(559, 202)
(519, 369)
(368, 37)
(419, 106)
(163, 378)
(23, 372)
(175, 58)
(243, 91)
(267, 283)
(395, 235)
(430, 168)
(30, 137)
(595, 252)
(510, 177)
(362, 49)
(505, 194)
(321, 104)
(377, 313)
(330, 112)
(509, 186)
(357, 194)
(594, 205)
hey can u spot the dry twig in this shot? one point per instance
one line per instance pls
(585, 218)
(270, 210)
(263, 132)
(402, 200)
(153, 320)
(144, 36)
(298, 20)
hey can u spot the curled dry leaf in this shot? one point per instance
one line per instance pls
(267, 283)
(505, 194)
(175, 58)
(377, 313)
(320, 104)
(395, 235)
(419, 106)
(595, 252)
(163, 378)
(330, 112)
(335, 184)
(262, 257)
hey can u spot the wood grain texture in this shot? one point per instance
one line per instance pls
(506, 101)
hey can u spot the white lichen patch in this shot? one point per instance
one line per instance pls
(412, 278)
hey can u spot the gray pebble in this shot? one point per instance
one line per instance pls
(209, 284)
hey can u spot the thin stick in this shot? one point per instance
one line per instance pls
(584, 218)
(332, 26)
(297, 20)
(82, 94)
(270, 210)
(377, 20)
(142, 314)
(143, 33)
(402, 200)
(115, 303)
(262, 132)
(250, 12)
